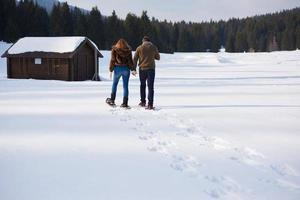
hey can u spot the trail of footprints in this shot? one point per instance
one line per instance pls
(175, 130)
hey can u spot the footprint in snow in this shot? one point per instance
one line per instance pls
(219, 187)
(284, 170)
(145, 137)
(248, 156)
(218, 143)
(223, 186)
(283, 184)
(159, 149)
(187, 164)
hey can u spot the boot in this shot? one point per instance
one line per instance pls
(142, 104)
(111, 100)
(149, 107)
(125, 103)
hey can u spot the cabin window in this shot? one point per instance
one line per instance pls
(37, 61)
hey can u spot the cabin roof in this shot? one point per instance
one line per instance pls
(49, 45)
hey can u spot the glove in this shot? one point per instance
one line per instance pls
(134, 73)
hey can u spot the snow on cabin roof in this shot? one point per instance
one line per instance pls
(47, 44)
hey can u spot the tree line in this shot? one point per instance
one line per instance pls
(277, 31)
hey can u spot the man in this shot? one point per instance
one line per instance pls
(145, 57)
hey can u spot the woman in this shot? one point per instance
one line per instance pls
(121, 63)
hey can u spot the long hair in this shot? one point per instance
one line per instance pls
(122, 44)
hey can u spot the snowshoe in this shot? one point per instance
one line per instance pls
(110, 102)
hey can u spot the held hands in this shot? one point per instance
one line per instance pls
(134, 73)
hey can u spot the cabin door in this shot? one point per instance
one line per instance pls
(82, 67)
(90, 67)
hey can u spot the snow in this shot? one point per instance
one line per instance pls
(226, 127)
(46, 44)
(3, 47)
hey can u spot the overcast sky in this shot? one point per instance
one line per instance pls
(188, 10)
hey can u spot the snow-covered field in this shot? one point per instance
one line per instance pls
(227, 127)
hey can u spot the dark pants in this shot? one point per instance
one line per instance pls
(149, 76)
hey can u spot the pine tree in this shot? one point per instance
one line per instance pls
(297, 36)
(40, 22)
(12, 32)
(175, 37)
(96, 28)
(114, 29)
(25, 17)
(287, 42)
(185, 40)
(66, 20)
(230, 43)
(3, 20)
(9, 27)
(262, 43)
(133, 30)
(273, 46)
(55, 21)
(241, 42)
(146, 24)
(216, 39)
(79, 22)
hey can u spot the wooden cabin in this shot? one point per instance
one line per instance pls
(53, 58)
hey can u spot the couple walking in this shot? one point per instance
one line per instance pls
(121, 64)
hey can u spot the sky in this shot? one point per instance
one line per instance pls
(188, 10)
